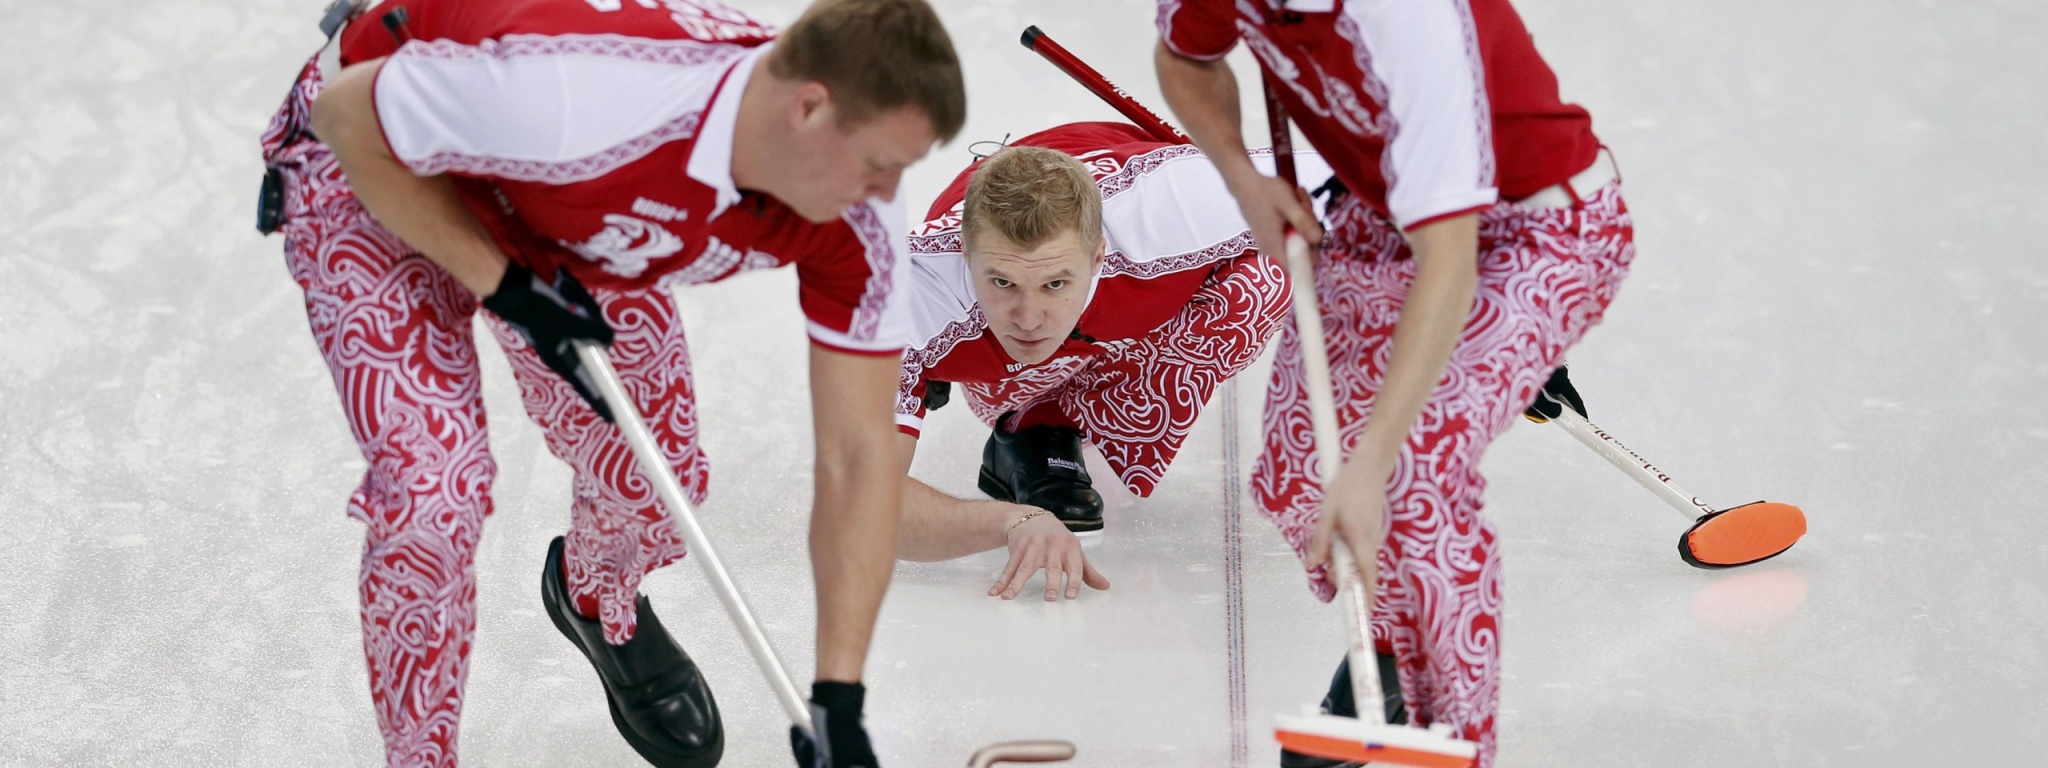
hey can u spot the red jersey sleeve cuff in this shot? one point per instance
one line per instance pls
(1187, 54)
(822, 344)
(1445, 216)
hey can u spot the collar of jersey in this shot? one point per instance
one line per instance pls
(711, 158)
(1094, 281)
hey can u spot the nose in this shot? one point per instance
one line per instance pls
(1029, 316)
(884, 185)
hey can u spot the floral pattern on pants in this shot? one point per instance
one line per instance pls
(1545, 277)
(395, 330)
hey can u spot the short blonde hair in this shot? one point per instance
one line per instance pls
(1030, 195)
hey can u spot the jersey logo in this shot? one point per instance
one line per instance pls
(1101, 162)
(1336, 101)
(709, 22)
(659, 211)
(718, 261)
(712, 22)
(1103, 166)
(626, 244)
(950, 221)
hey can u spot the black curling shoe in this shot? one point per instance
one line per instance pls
(1041, 467)
(659, 700)
(1338, 702)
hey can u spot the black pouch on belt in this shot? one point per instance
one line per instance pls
(270, 202)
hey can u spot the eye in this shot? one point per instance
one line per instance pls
(1000, 283)
(1056, 284)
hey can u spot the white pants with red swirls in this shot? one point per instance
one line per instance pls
(1545, 277)
(396, 332)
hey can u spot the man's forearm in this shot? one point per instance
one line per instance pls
(853, 554)
(936, 526)
(425, 212)
(1432, 319)
(1203, 96)
(857, 503)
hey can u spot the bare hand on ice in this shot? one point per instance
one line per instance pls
(1044, 543)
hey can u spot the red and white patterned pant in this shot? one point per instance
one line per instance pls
(396, 332)
(1137, 400)
(1545, 277)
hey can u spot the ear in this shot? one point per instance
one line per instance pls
(810, 106)
(1101, 252)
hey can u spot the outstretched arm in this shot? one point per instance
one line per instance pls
(936, 526)
(854, 513)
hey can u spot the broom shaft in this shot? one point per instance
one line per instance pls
(1043, 45)
(1632, 464)
(1355, 592)
(655, 465)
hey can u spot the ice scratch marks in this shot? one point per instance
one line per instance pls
(1233, 578)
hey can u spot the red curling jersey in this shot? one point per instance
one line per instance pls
(1167, 222)
(1425, 108)
(597, 136)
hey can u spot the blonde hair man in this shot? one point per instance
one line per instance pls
(557, 162)
(1087, 283)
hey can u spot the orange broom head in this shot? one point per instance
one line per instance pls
(1344, 738)
(1742, 535)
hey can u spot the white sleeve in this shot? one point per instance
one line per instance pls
(549, 108)
(1168, 210)
(898, 326)
(1424, 58)
(943, 312)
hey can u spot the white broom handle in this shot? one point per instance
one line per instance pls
(655, 464)
(1631, 464)
(1366, 695)
(1353, 590)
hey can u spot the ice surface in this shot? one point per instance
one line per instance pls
(1841, 302)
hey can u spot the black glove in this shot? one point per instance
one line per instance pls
(835, 712)
(552, 318)
(1558, 390)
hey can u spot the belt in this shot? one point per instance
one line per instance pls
(1580, 186)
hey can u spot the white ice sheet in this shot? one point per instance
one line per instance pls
(1841, 302)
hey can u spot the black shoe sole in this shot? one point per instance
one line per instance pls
(706, 759)
(998, 490)
(1304, 761)
(648, 751)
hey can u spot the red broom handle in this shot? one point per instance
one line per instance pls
(1283, 136)
(1102, 87)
